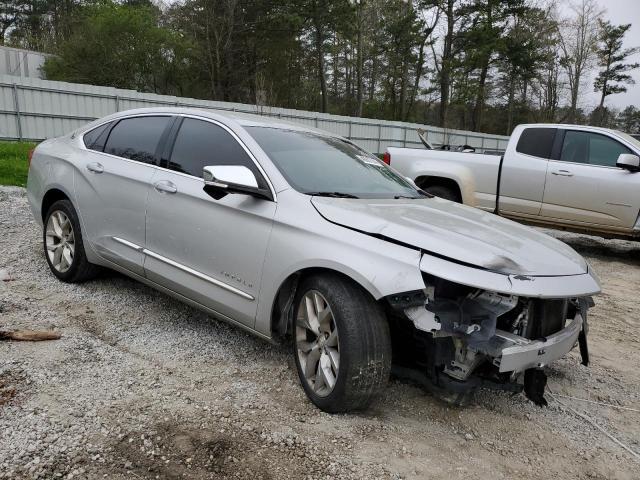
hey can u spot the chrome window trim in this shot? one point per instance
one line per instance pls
(184, 115)
(184, 268)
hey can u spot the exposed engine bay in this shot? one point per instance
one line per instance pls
(463, 338)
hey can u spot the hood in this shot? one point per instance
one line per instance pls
(457, 232)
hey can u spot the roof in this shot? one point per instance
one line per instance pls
(243, 119)
(566, 126)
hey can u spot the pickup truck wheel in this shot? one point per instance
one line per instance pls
(444, 192)
(63, 245)
(341, 343)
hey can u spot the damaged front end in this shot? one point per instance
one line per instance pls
(462, 337)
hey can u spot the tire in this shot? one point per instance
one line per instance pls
(441, 191)
(68, 235)
(362, 342)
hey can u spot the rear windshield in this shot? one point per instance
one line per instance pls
(537, 142)
(314, 163)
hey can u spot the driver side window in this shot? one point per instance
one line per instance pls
(200, 144)
(591, 148)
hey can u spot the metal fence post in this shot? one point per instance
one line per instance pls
(379, 137)
(117, 103)
(404, 140)
(16, 105)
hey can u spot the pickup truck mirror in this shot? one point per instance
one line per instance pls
(629, 162)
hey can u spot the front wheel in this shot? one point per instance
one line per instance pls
(341, 343)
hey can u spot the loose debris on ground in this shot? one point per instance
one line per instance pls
(141, 386)
(29, 335)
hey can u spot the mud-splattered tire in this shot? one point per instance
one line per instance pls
(63, 244)
(341, 343)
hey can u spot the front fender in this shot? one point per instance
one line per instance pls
(304, 240)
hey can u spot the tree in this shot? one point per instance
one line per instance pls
(120, 46)
(629, 120)
(445, 65)
(481, 39)
(523, 54)
(613, 74)
(577, 41)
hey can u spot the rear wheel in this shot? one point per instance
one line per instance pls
(63, 244)
(442, 191)
(341, 343)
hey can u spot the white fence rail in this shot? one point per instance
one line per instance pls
(34, 109)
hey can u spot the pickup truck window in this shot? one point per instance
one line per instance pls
(537, 142)
(591, 148)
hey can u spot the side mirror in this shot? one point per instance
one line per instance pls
(629, 162)
(233, 179)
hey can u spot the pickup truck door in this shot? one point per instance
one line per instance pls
(524, 171)
(584, 186)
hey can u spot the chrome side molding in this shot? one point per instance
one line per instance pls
(184, 268)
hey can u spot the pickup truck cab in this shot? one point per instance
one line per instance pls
(570, 177)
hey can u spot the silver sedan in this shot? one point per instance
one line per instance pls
(301, 236)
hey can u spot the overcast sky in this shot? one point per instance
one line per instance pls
(617, 12)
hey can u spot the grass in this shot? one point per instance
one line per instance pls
(14, 164)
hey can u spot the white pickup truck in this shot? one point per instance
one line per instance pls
(569, 177)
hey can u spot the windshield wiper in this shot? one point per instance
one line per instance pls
(332, 194)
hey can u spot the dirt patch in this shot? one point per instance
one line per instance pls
(8, 387)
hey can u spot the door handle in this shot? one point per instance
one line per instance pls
(165, 186)
(562, 173)
(95, 167)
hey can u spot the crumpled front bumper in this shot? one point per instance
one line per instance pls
(519, 354)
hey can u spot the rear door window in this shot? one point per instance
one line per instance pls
(537, 142)
(591, 148)
(137, 138)
(200, 144)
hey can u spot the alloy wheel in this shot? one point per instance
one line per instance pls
(317, 343)
(60, 241)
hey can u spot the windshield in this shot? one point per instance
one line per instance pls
(321, 165)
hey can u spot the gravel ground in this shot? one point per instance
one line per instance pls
(141, 386)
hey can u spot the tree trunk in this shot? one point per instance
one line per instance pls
(321, 74)
(479, 105)
(512, 88)
(445, 70)
(359, 65)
